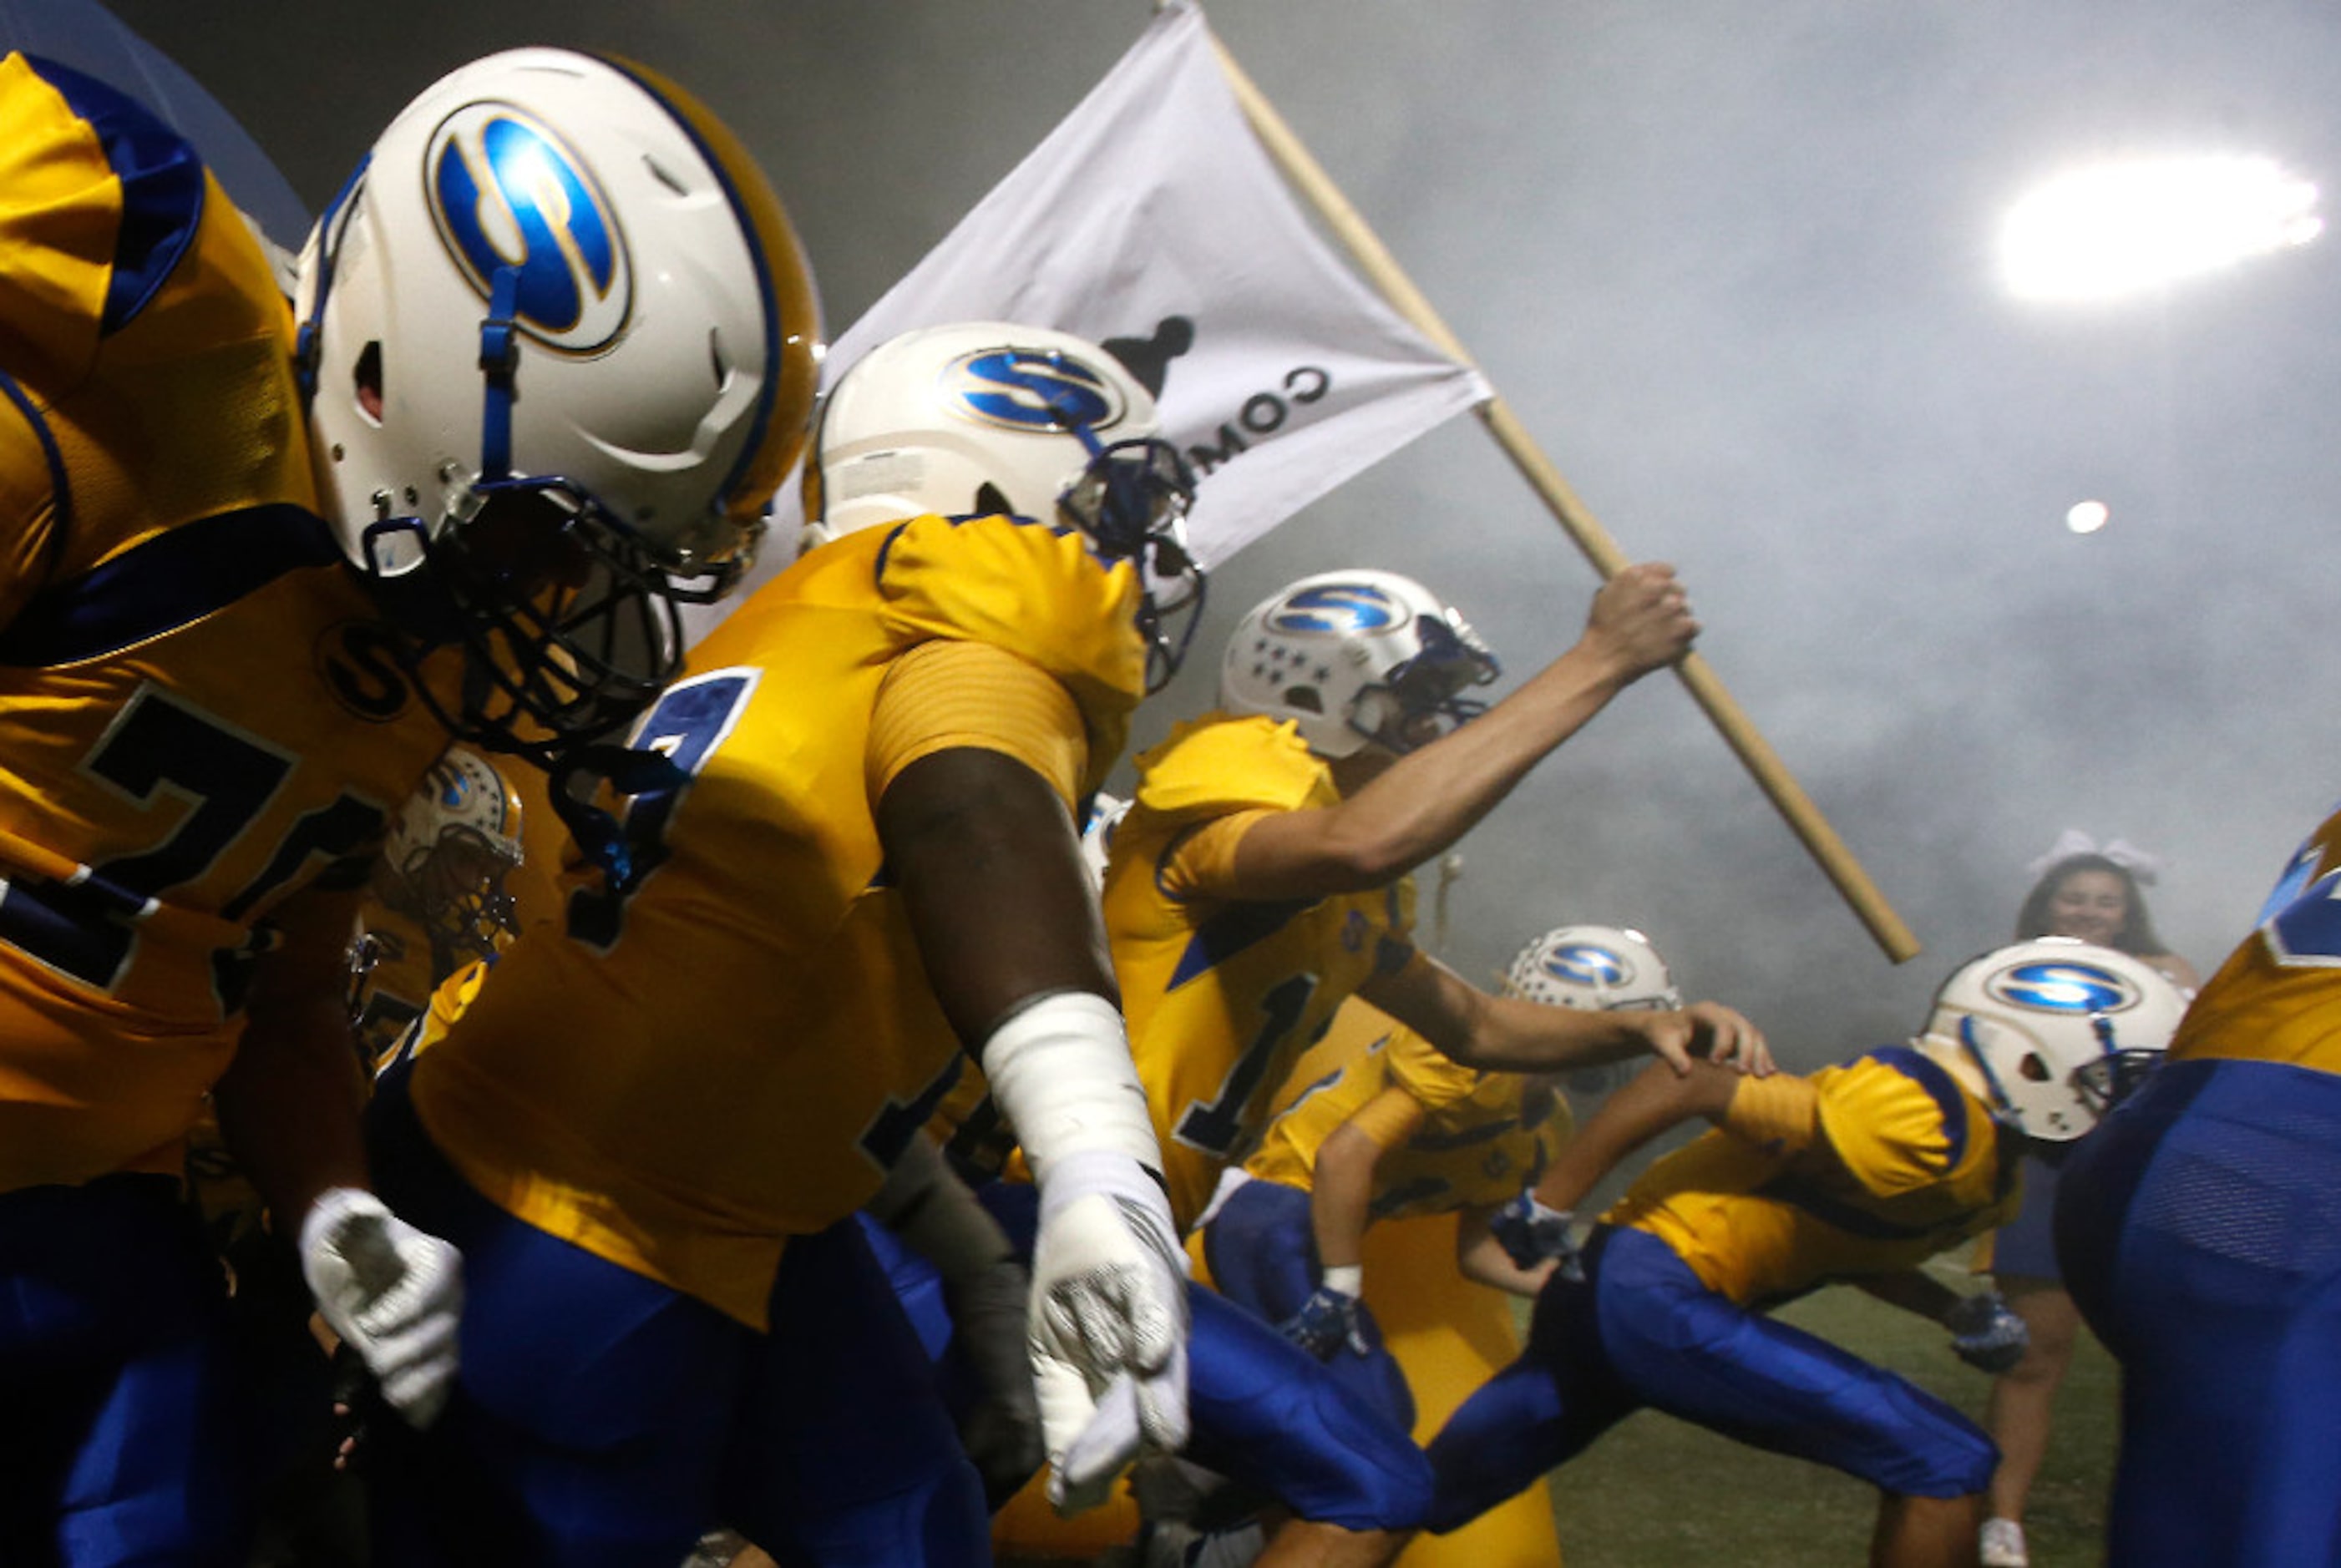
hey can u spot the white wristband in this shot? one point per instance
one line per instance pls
(1061, 1073)
(1349, 1278)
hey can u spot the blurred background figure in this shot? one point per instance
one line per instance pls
(2092, 893)
(438, 899)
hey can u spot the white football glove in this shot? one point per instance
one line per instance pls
(1109, 1323)
(390, 1292)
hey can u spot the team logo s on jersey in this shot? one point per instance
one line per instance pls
(2062, 986)
(1031, 391)
(358, 662)
(505, 191)
(1336, 607)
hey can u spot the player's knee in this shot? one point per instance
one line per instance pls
(1945, 1455)
(1367, 1473)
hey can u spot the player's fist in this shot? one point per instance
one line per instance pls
(1642, 618)
(1530, 1234)
(1326, 1324)
(1108, 1331)
(1987, 1334)
(391, 1293)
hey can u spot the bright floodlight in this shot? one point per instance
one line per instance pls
(2122, 227)
(2087, 516)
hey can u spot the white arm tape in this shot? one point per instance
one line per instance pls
(1061, 1073)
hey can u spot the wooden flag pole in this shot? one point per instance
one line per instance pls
(1707, 689)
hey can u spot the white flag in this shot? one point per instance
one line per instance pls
(1152, 220)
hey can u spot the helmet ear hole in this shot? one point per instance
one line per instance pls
(1304, 697)
(991, 502)
(2033, 1069)
(367, 376)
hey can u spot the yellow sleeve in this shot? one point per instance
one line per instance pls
(1201, 863)
(1779, 1114)
(1035, 591)
(60, 211)
(1217, 764)
(943, 696)
(1389, 1118)
(1887, 1130)
(1433, 1078)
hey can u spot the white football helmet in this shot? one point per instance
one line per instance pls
(558, 344)
(450, 846)
(2057, 1029)
(1355, 658)
(1600, 969)
(983, 417)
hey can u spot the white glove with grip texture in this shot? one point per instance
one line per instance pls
(1109, 1323)
(390, 1292)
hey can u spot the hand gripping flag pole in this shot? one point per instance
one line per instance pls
(1707, 689)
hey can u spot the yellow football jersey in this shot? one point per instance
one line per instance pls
(199, 712)
(1482, 1136)
(2275, 1000)
(679, 1079)
(1223, 995)
(1870, 1167)
(393, 973)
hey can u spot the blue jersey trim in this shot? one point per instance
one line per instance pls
(1223, 937)
(1830, 1209)
(1941, 1087)
(60, 486)
(167, 583)
(162, 189)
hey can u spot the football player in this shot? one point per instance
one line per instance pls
(437, 899)
(1259, 878)
(1399, 1129)
(225, 630)
(2197, 1234)
(652, 1127)
(1857, 1173)
(1258, 881)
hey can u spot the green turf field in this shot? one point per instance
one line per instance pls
(1658, 1494)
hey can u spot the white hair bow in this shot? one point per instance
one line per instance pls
(2142, 866)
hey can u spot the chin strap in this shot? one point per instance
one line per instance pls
(599, 834)
(499, 363)
(308, 345)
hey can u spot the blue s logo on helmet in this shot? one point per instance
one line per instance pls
(507, 192)
(1584, 965)
(1031, 391)
(1337, 608)
(2062, 986)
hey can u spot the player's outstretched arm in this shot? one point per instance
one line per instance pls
(1645, 1106)
(1986, 1332)
(1422, 802)
(1340, 1205)
(983, 849)
(1511, 1034)
(290, 1107)
(1483, 1259)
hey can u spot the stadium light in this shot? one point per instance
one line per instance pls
(2120, 228)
